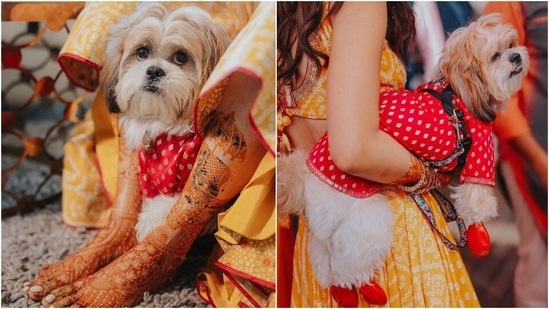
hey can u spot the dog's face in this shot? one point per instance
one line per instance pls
(484, 64)
(156, 62)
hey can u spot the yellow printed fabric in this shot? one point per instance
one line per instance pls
(252, 53)
(83, 199)
(241, 271)
(420, 270)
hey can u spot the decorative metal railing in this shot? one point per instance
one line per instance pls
(34, 87)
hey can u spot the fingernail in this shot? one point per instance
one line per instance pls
(25, 288)
(50, 298)
(36, 289)
(26, 283)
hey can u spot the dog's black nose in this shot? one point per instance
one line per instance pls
(515, 58)
(154, 72)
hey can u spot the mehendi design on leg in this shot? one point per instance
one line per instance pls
(230, 140)
(111, 241)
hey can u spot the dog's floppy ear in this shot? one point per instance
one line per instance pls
(462, 66)
(213, 37)
(110, 64)
(112, 57)
(219, 40)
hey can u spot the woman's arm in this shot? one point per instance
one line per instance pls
(357, 145)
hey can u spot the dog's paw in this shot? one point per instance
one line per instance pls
(475, 203)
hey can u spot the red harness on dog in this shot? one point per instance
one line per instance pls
(165, 166)
(417, 120)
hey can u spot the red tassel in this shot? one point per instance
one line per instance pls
(478, 240)
(344, 297)
(373, 293)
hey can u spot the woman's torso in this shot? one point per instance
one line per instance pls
(307, 113)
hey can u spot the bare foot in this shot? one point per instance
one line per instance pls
(117, 237)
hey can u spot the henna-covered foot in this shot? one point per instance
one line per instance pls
(224, 165)
(109, 243)
(148, 266)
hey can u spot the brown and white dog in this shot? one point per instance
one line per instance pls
(155, 65)
(350, 237)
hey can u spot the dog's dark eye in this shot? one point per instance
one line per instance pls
(142, 53)
(180, 57)
(495, 57)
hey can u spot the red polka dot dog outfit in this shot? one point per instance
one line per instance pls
(165, 166)
(417, 120)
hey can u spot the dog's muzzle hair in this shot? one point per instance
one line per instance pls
(167, 56)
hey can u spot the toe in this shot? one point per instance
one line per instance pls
(65, 301)
(48, 300)
(59, 293)
(35, 292)
(41, 288)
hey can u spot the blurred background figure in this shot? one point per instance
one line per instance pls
(430, 40)
(522, 133)
(434, 22)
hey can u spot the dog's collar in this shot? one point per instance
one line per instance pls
(457, 118)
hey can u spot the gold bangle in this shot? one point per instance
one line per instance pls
(427, 181)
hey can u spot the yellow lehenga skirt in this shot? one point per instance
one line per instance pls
(420, 270)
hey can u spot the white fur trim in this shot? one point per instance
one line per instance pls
(474, 202)
(290, 175)
(349, 237)
(153, 213)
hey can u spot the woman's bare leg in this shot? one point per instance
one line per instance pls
(111, 241)
(227, 159)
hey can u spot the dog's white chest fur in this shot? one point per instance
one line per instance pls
(153, 212)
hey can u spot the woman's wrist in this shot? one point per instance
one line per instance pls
(414, 174)
(420, 178)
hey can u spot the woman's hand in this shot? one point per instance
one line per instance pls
(420, 178)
